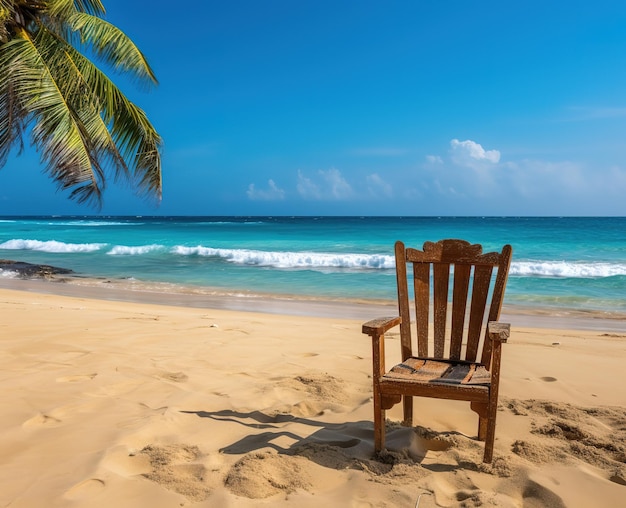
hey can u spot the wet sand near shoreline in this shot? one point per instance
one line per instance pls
(167, 294)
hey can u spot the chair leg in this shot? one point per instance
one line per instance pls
(379, 422)
(407, 404)
(491, 432)
(483, 418)
(483, 425)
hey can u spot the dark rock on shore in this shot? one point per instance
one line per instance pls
(29, 270)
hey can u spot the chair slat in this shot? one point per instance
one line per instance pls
(441, 279)
(462, 274)
(497, 298)
(422, 305)
(403, 301)
(446, 251)
(480, 290)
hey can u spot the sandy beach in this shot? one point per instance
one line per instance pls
(108, 403)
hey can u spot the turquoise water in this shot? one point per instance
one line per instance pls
(563, 263)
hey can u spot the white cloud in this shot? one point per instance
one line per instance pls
(378, 187)
(449, 176)
(272, 193)
(535, 178)
(471, 180)
(340, 188)
(434, 159)
(471, 154)
(331, 185)
(306, 188)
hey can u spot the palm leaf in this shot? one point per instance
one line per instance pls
(11, 119)
(56, 131)
(78, 93)
(137, 140)
(112, 45)
(63, 8)
(90, 6)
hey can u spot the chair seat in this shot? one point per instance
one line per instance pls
(442, 372)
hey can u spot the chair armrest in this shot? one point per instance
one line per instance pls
(377, 327)
(498, 331)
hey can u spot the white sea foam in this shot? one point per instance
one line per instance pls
(83, 223)
(230, 223)
(50, 246)
(95, 223)
(291, 259)
(578, 270)
(125, 250)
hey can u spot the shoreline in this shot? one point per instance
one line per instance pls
(168, 295)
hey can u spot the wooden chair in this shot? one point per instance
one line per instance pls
(463, 364)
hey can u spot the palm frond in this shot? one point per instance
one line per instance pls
(112, 45)
(11, 116)
(63, 8)
(94, 7)
(78, 92)
(56, 132)
(135, 137)
(7, 15)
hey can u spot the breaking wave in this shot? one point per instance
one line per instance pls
(282, 259)
(567, 269)
(125, 250)
(50, 246)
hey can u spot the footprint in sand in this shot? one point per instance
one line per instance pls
(141, 318)
(146, 413)
(42, 420)
(176, 377)
(548, 379)
(85, 489)
(76, 379)
(238, 330)
(69, 357)
(352, 357)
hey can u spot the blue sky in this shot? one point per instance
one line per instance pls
(371, 108)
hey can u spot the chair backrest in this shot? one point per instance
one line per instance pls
(473, 278)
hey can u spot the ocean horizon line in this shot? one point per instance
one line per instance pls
(307, 216)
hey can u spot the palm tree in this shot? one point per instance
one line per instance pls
(80, 122)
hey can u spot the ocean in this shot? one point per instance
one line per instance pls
(560, 264)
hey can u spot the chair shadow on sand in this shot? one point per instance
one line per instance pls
(339, 445)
